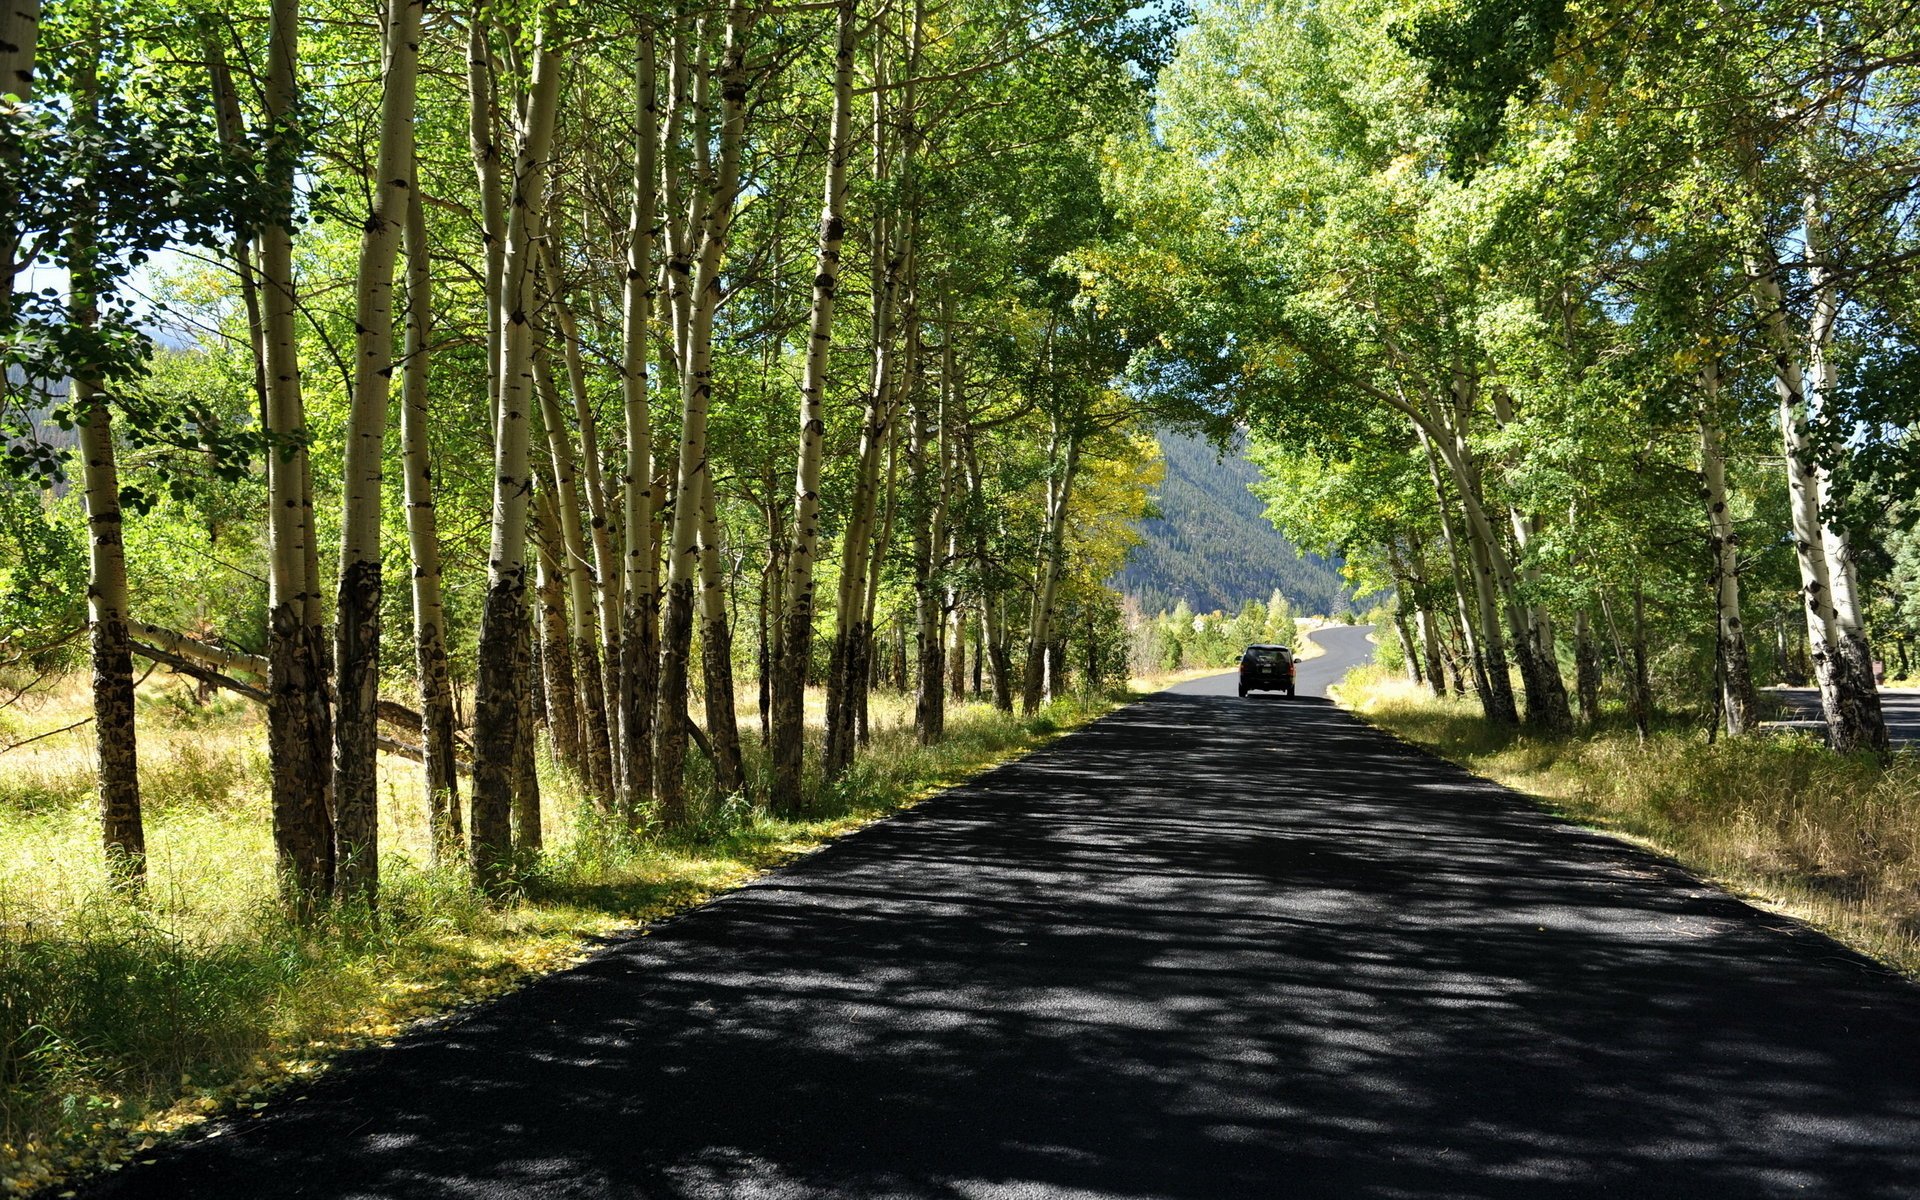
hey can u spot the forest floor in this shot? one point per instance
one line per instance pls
(123, 1023)
(1829, 839)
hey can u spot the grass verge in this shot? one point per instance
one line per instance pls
(122, 1023)
(1831, 839)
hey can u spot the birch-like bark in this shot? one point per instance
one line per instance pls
(357, 610)
(866, 643)
(893, 242)
(1485, 644)
(930, 461)
(639, 657)
(1803, 492)
(19, 42)
(594, 744)
(498, 701)
(716, 648)
(19, 45)
(590, 483)
(556, 654)
(1052, 561)
(527, 839)
(299, 718)
(1586, 666)
(1426, 624)
(423, 546)
(993, 629)
(1738, 701)
(115, 750)
(696, 381)
(1539, 660)
(483, 141)
(1864, 724)
(794, 647)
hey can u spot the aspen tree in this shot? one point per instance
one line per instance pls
(595, 761)
(299, 717)
(483, 142)
(502, 677)
(562, 702)
(639, 640)
(794, 651)
(696, 383)
(1738, 702)
(1066, 459)
(716, 648)
(115, 749)
(608, 580)
(928, 453)
(357, 611)
(1000, 666)
(19, 47)
(437, 733)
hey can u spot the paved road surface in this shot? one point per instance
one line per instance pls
(1346, 646)
(1205, 948)
(1901, 707)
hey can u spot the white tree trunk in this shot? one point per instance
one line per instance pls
(503, 622)
(357, 620)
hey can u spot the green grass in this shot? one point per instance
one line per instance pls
(123, 1022)
(1832, 839)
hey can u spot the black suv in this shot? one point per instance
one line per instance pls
(1265, 668)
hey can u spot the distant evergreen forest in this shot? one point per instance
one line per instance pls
(1212, 547)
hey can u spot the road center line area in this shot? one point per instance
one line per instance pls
(1207, 947)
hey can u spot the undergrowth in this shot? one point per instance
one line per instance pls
(122, 1021)
(1833, 839)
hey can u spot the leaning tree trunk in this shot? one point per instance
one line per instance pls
(357, 621)
(591, 485)
(1847, 695)
(503, 620)
(1858, 692)
(596, 749)
(299, 719)
(437, 732)
(1738, 700)
(1489, 582)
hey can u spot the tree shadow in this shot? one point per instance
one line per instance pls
(1200, 949)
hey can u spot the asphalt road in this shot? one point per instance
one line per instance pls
(1900, 706)
(1207, 947)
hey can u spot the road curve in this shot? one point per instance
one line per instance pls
(1207, 947)
(1347, 646)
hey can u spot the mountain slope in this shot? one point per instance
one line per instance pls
(1212, 547)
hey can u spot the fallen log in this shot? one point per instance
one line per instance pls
(208, 675)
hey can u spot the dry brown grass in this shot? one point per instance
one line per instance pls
(1831, 839)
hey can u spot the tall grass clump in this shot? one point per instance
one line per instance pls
(1831, 838)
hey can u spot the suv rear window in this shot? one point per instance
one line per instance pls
(1267, 656)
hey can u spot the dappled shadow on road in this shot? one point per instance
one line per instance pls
(1206, 948)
